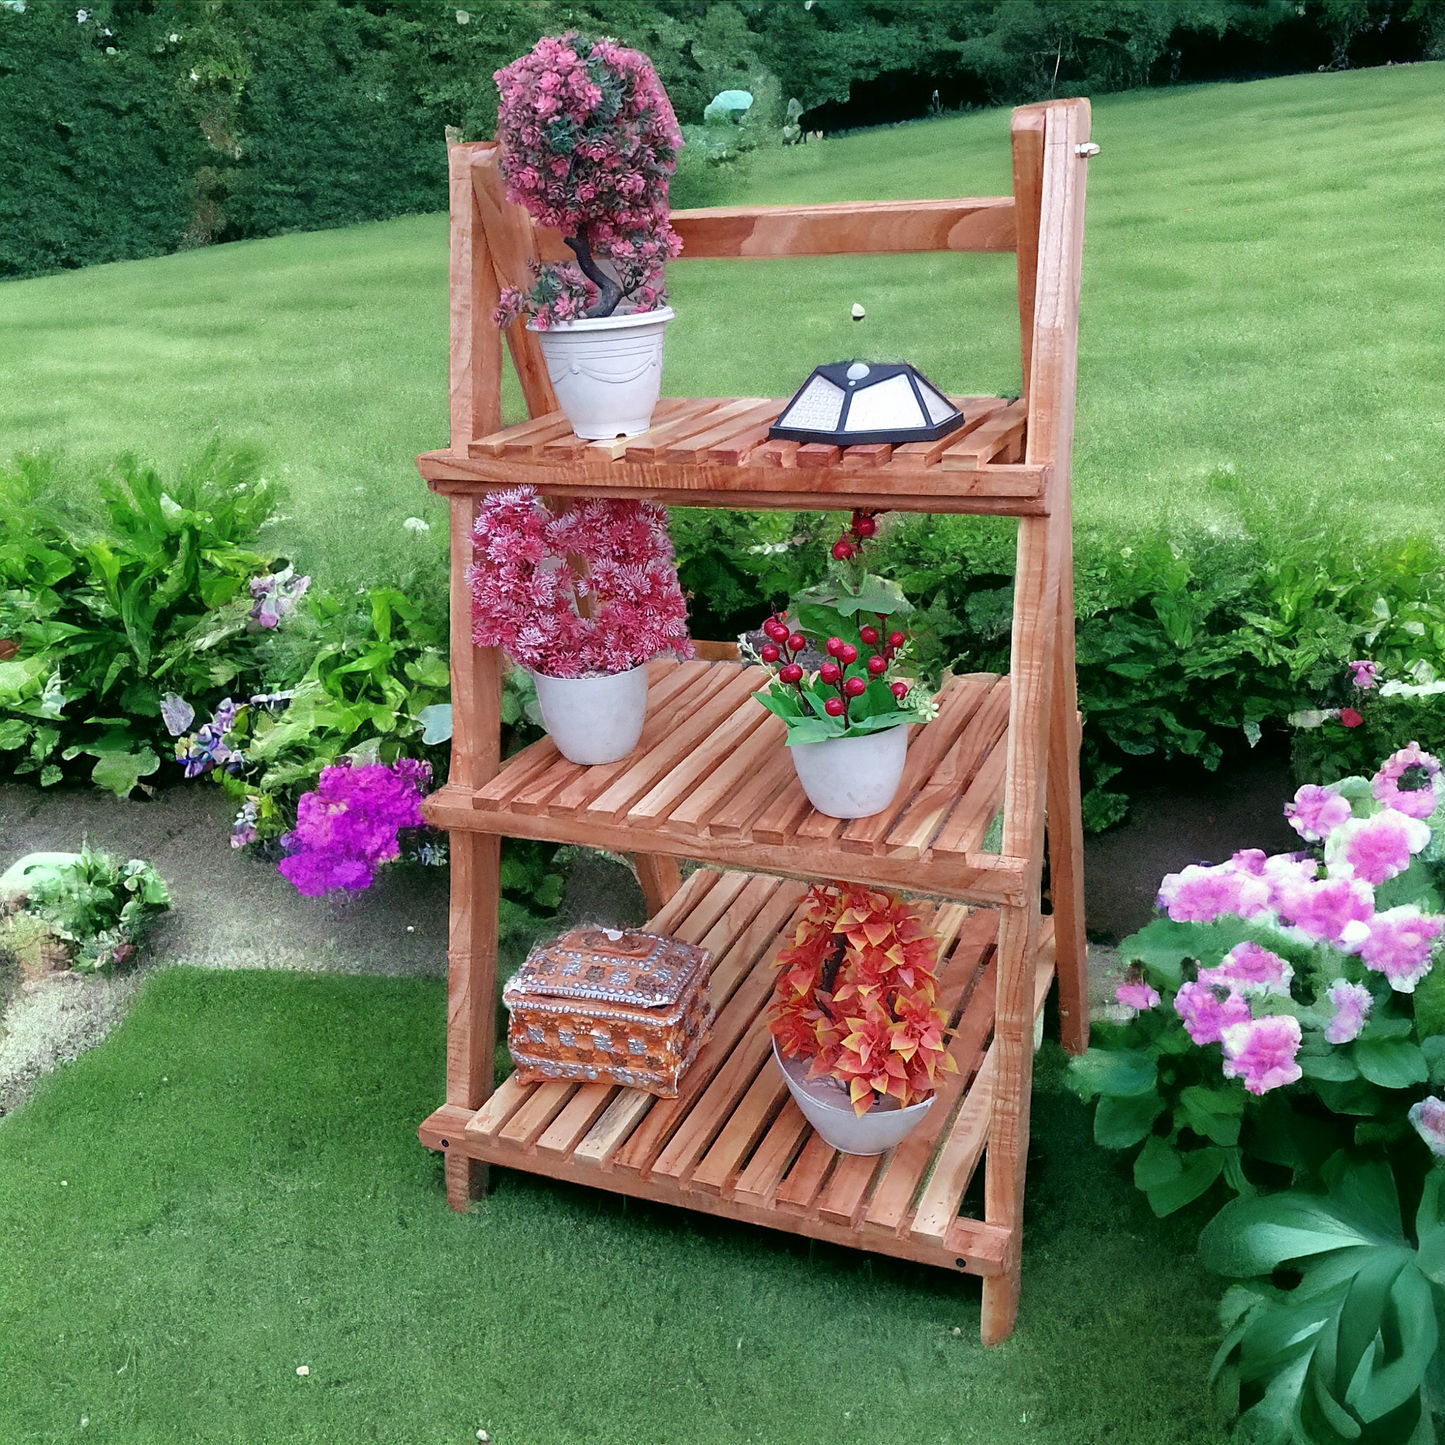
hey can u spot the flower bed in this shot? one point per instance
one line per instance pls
(1286, 1029)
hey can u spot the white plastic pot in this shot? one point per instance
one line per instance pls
(607, 371)
(594, 719)
(852, 777)
(825, 1106)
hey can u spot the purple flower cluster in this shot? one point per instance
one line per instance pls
(276, 595)
(348, 827)
(206, 748)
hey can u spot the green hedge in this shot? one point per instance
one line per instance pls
(134, 127)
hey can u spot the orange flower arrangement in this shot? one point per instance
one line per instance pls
(855, 994)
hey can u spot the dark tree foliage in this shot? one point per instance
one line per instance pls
(135, 127)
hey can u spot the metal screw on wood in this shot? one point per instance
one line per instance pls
(1087, 149)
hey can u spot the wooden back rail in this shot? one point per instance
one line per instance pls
(710, 780)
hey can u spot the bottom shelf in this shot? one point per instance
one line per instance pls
(734, 1143)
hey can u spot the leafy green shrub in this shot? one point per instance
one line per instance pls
(111, 612)
(134, 604)
(98, 909)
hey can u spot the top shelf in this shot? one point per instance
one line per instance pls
(715, 452)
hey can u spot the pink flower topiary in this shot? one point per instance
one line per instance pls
(589, 140)
(1262, 1052)
(585, 593)
(1316, 812)
(1352, 1004)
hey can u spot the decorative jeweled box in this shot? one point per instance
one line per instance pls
(598, 1005)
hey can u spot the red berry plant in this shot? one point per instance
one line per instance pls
(855, 620)
(856, 994)
(583, 593)
(588, 143)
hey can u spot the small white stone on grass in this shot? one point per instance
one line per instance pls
(65, 1183)
(303, 1370)
(416, 524)
(957, 1331)
(858, 312)
(411, 928)
(483, 1437)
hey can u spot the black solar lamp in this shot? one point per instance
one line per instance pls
(854, 403)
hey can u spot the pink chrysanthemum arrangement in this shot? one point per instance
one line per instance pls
(584, 593)
(589, 140)
(350, 825)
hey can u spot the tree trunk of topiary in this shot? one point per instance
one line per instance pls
(609, 293)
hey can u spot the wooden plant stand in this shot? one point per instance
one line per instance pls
(711, 781)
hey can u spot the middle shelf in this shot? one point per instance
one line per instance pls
(711, 779)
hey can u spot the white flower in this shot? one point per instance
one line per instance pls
(415, 524)
(173, 37)
(81, 16)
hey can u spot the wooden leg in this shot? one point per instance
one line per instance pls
(1000, 1304)
(476, 862)
(1008, 1138)
(660, 878)
(1066, 839)
(466, 1181)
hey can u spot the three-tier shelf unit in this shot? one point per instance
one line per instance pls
(711, 782)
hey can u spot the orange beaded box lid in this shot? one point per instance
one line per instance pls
(609, 1006)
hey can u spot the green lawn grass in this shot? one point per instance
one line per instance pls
(1263, 336)
(231, 1186)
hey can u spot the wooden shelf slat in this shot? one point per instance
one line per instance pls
(714, 451)
(712, 779)
(733, 1136)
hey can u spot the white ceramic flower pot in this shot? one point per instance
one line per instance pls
(607, 371)
(852, 777)
(825, 1106)
(594, 719)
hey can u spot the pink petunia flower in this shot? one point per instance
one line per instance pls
(1375, 849)
(1250, 969)
(1137, 996)
(1428, 1117)
(1322, 911)
(1200, 894)
(1398, 944)
(1363, 674)
(1352, 1003)
(1420, 774)
(1262, 1052)
(1205, 1014)
(1316, 812)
